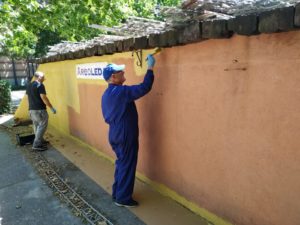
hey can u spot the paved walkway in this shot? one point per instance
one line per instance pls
(25, 199)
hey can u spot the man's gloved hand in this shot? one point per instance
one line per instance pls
(150, 60)
(53, 110)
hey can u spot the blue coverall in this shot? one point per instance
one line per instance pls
(119, 111)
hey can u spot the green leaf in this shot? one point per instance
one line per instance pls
(26, 23)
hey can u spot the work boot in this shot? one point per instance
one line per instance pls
(45, 142)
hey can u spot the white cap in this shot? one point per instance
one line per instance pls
(38, 74)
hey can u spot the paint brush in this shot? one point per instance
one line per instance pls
(157, 50)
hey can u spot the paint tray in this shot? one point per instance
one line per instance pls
(25, 139)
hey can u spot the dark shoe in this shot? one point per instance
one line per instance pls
(130, 204)
(44, 142)
(39, 148)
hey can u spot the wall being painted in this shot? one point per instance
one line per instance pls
(221, 126)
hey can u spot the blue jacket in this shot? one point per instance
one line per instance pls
(119, 110)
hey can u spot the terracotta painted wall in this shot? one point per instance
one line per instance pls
(221, 126)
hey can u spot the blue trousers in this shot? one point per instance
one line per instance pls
(125, 168)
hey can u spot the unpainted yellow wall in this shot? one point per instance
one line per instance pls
(62, 86)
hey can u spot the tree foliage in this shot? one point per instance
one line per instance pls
(28, 26)
(4, 97)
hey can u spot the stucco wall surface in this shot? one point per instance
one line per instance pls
(220, 127)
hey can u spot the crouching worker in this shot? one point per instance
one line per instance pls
(38, 102)
(119, 111)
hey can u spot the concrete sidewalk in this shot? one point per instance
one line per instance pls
(24, 196)
(26, 199)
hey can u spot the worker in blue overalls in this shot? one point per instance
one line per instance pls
(119, 111)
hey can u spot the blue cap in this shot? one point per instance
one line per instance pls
(110, 69)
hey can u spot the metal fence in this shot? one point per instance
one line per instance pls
(16, 72)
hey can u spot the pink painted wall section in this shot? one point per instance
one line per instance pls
(221, 126)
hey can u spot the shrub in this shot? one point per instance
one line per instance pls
(5, 97)
(17, 88)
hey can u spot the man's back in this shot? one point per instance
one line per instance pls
(118, 100)
(33, 91)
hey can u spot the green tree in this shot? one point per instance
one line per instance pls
(28, 26)
(4, 97)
